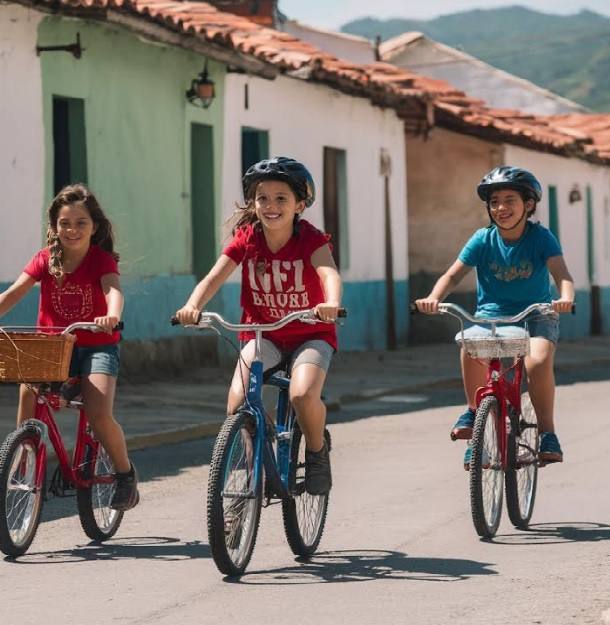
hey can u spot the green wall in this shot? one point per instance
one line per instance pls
(137, 134)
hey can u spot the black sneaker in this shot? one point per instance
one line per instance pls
(126, 495)
(318, 480)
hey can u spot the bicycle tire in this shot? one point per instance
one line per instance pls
(20, 501)
(486, 479)
(98, 520)
(521, 478)
(233, 521)
(304, 515)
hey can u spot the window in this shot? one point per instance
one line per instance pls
(254, 147)
(335, 204)
(69, 142)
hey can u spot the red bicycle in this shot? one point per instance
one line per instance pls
(505, 433)
(30, 356)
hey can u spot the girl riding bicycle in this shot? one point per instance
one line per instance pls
(287, 265)
(79, 281)
(513, 257)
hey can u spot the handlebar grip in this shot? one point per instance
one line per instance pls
(119, 327)
(413, 309)
(573, 311)
(175, 322)
(342, 312)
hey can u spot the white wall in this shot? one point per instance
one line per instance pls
(564, 173)
(343, 46)
(21, 139)
(301, 119)
(497, 88)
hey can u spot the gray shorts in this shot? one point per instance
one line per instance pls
(314, 352)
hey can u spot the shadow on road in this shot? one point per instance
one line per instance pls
(557, 533)
(157, 548)
(366, 565)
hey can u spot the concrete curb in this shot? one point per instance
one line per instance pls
(206, 430)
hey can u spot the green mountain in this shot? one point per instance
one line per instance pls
(569, 55)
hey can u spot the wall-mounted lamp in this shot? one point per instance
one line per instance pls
(74, 48)
(575, 195)
(201, 92)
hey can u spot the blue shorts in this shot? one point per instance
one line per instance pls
(95, 359)
(538, 325)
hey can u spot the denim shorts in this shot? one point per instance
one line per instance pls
(95, 359)
(537, 324)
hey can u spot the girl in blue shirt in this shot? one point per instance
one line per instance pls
(513, 258)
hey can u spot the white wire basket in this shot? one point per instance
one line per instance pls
(497, 346)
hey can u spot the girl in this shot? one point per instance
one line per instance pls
(79, 281)
(286, 265)
(513, 257)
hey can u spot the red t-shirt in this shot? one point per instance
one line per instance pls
(275, 284)
(79, 297)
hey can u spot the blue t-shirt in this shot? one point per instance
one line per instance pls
(511, 275)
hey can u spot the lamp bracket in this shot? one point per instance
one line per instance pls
(74, 48)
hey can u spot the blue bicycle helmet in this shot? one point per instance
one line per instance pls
(285, 169)
(507, 177)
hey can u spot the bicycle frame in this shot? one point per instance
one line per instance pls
(46, 403)
(506, 392)
(276, 464)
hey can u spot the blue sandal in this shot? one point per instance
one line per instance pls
(462, 428)
(550, 449)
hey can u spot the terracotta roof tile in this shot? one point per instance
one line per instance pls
(410, 94)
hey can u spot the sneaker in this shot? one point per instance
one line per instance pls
(126, 495)
(462, 428)
(550, 449)
(468, 458)
(318, 480)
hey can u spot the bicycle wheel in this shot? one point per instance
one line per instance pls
(234, 502)
(20, 499)
(486, 479)
(304, 514)
(98, 520)
(522, 471)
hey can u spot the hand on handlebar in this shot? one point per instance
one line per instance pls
(562, 305)
(428, 305)
(327, 311)
(188, 315)
(107, 323)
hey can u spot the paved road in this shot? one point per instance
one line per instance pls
(399, 548)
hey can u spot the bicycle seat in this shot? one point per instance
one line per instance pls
(283, 365)
(71, 389)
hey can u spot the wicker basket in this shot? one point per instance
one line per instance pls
(34, 357)
(489, 347)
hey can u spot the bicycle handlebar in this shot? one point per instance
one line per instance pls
(91, 327)
(207, 319)
(79, 325)
(457, 311)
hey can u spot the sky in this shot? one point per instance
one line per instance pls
(332, 14)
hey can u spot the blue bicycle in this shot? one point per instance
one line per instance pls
(256, 458)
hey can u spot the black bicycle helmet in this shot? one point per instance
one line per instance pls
(506, 177)
(285, 169)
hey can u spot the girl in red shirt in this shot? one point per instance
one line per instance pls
(287, 265)
(79, 281)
